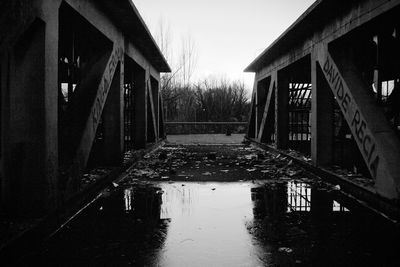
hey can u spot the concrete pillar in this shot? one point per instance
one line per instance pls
(140, 99)
(322, 117)
(156, 103)
(4, 66)
(161, 131)
(262, 88)
(281, 110)
(30, 167)
(51, 103)
(151, 124)
(113, 148)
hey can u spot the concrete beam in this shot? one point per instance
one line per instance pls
(344, 23)
(322, 120)
(113, 114)
(88, 9)
(267, 110)
(156, 99)
(86, 141)
(153, 116)
(140, 99)
(252, 127)
(377, 142)
(281, 110)
(24, 184)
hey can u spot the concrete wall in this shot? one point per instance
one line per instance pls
(32, 181)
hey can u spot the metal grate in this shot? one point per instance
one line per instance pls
(299, 111)
(299, 197)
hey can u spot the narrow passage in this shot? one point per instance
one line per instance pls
(221, 205)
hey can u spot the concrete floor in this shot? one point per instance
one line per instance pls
(205, 139)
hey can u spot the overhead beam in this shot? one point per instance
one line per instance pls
(106, 26)
(365, 12)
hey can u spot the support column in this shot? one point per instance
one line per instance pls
(140, 99)
(28, 185)
(262, 87)
(113, 122)
(156, 99)
(266, 126)
(161, 129)
(51, 103)
(151, 116)
(322, 121)
(251, 126)
(281, 111)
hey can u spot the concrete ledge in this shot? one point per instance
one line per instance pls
(365, 196)
(28, 239)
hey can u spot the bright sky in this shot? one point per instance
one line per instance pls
(228, 34)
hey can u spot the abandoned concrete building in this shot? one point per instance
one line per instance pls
(79, 87)
(328, 87)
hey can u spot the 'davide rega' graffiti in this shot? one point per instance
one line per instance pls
(352, 114)
(104, 86)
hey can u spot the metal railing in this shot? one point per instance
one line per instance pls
(205, 127)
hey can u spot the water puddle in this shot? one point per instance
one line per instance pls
(288, 223)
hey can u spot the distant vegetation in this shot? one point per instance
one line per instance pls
(212, 99)
(208, 100)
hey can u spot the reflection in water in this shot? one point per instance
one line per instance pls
(208, 226)
(338, 207)
(122, 228)
(308, 226)
(128, 196)
(222, 224)
(299, 197)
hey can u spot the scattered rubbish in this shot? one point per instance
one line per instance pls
(115, 184)
(285, 249)
(336, 187)
(251, 170)
(213, 189)
(250, 156)
(207, 173)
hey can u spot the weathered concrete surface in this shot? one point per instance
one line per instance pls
(347, 47)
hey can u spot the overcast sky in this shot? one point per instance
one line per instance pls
(228, 34)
